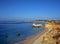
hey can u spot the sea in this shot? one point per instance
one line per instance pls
(11, 33)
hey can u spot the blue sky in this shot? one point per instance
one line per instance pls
(29, 9)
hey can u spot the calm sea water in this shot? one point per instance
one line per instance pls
(8, 32)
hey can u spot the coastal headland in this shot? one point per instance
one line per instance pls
(50, 35)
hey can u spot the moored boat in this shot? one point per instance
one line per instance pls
(37, 25)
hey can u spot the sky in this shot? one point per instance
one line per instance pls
(29, 9)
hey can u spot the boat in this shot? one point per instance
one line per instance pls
(37, 25)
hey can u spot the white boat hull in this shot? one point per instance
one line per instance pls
(37, 25)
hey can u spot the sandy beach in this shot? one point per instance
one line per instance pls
(45, 35)
(32, 39)
(37, 38)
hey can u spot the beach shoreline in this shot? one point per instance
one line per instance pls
(46, 35)
(30, 40)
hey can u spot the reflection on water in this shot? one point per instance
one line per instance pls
(10, 33)
(37, 27)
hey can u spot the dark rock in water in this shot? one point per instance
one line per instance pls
(6, 36)
(17, 34)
